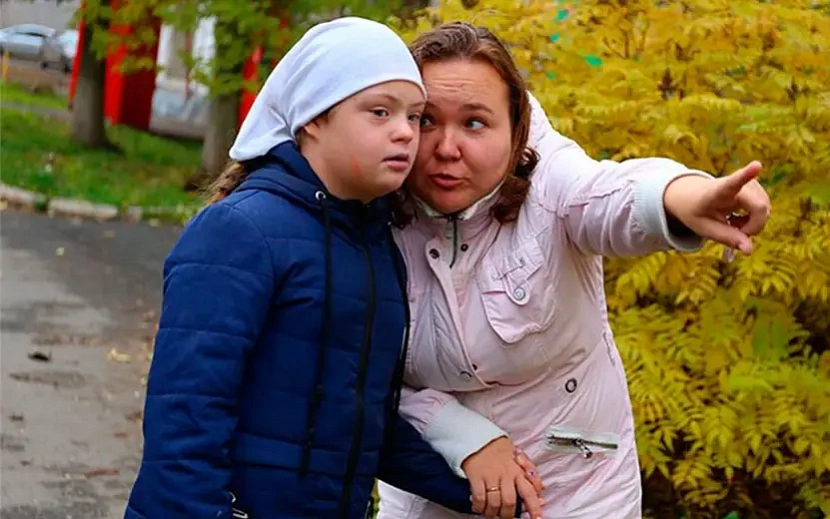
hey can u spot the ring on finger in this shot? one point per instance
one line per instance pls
(493, 489)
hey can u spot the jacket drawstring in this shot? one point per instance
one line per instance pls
(400, 366)
(317, 394)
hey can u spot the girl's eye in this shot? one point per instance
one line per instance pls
(415, 118)
(380, 112)
(475, 124)
(425, 121)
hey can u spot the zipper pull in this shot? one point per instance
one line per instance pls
(586, 452)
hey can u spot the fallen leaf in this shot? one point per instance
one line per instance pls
(16, 417)
(40, 356)
(60, 251)
(101, 471)
(114, 355)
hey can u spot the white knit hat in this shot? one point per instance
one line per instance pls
(332, 61)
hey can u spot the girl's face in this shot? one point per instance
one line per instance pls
(365, 146)
(466, 135)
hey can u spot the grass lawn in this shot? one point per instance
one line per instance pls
(149, 171)
(15, 94)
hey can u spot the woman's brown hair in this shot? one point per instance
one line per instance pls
(464, 41)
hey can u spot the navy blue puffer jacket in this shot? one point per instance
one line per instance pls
(276, 359)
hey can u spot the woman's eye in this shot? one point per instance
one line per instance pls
(475, 124)
(425, 121)
(380, 112)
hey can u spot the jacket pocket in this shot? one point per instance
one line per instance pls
(517, 292)
(578, 441)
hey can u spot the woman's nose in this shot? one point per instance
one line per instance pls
(447, 148)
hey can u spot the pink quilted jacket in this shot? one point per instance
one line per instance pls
(510, 331)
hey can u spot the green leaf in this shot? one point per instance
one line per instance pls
(594, 61)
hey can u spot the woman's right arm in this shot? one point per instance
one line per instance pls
(218, 283)
(475, 448)
(453, 430)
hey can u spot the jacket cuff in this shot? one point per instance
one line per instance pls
(650, 212)
(456, 432)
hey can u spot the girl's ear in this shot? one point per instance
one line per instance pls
(311, 130)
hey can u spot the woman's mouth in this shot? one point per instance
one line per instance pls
(445, 181)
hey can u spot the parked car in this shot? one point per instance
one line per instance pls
(45, 45)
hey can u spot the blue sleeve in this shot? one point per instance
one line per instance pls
(217, 291)
(410, 464)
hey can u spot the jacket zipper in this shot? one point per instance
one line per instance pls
(454, 220)
(585, 447)
(357, 439)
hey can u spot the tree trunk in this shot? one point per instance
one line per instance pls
(220, 133)
(224, 109)
(88, 104)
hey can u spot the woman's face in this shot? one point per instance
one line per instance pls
(466, 135)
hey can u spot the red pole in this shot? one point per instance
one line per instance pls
(129, 97)
(250, 71)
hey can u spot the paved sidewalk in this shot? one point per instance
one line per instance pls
(78, 302)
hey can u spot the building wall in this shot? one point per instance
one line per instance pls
(171, 48)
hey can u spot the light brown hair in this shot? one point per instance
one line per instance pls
(464, 41)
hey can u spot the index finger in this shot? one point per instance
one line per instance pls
(530, 470)
(733, 183)
(532, 501)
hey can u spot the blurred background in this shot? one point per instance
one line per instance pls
(115, 114)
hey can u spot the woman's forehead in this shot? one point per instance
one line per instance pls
(465, 86)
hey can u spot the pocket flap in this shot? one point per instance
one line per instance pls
(511, 272)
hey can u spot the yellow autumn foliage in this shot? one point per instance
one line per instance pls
(728, 363)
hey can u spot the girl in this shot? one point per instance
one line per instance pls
(284, 305)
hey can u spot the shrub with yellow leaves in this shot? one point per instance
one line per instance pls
(728, 363)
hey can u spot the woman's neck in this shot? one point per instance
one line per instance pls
(464, 214)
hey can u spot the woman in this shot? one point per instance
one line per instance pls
(284, 306)
(504, 243)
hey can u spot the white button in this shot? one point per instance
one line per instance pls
(519, 293)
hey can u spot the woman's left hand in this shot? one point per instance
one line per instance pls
(707, 206)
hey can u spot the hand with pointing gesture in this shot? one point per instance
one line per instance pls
(728, 210)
